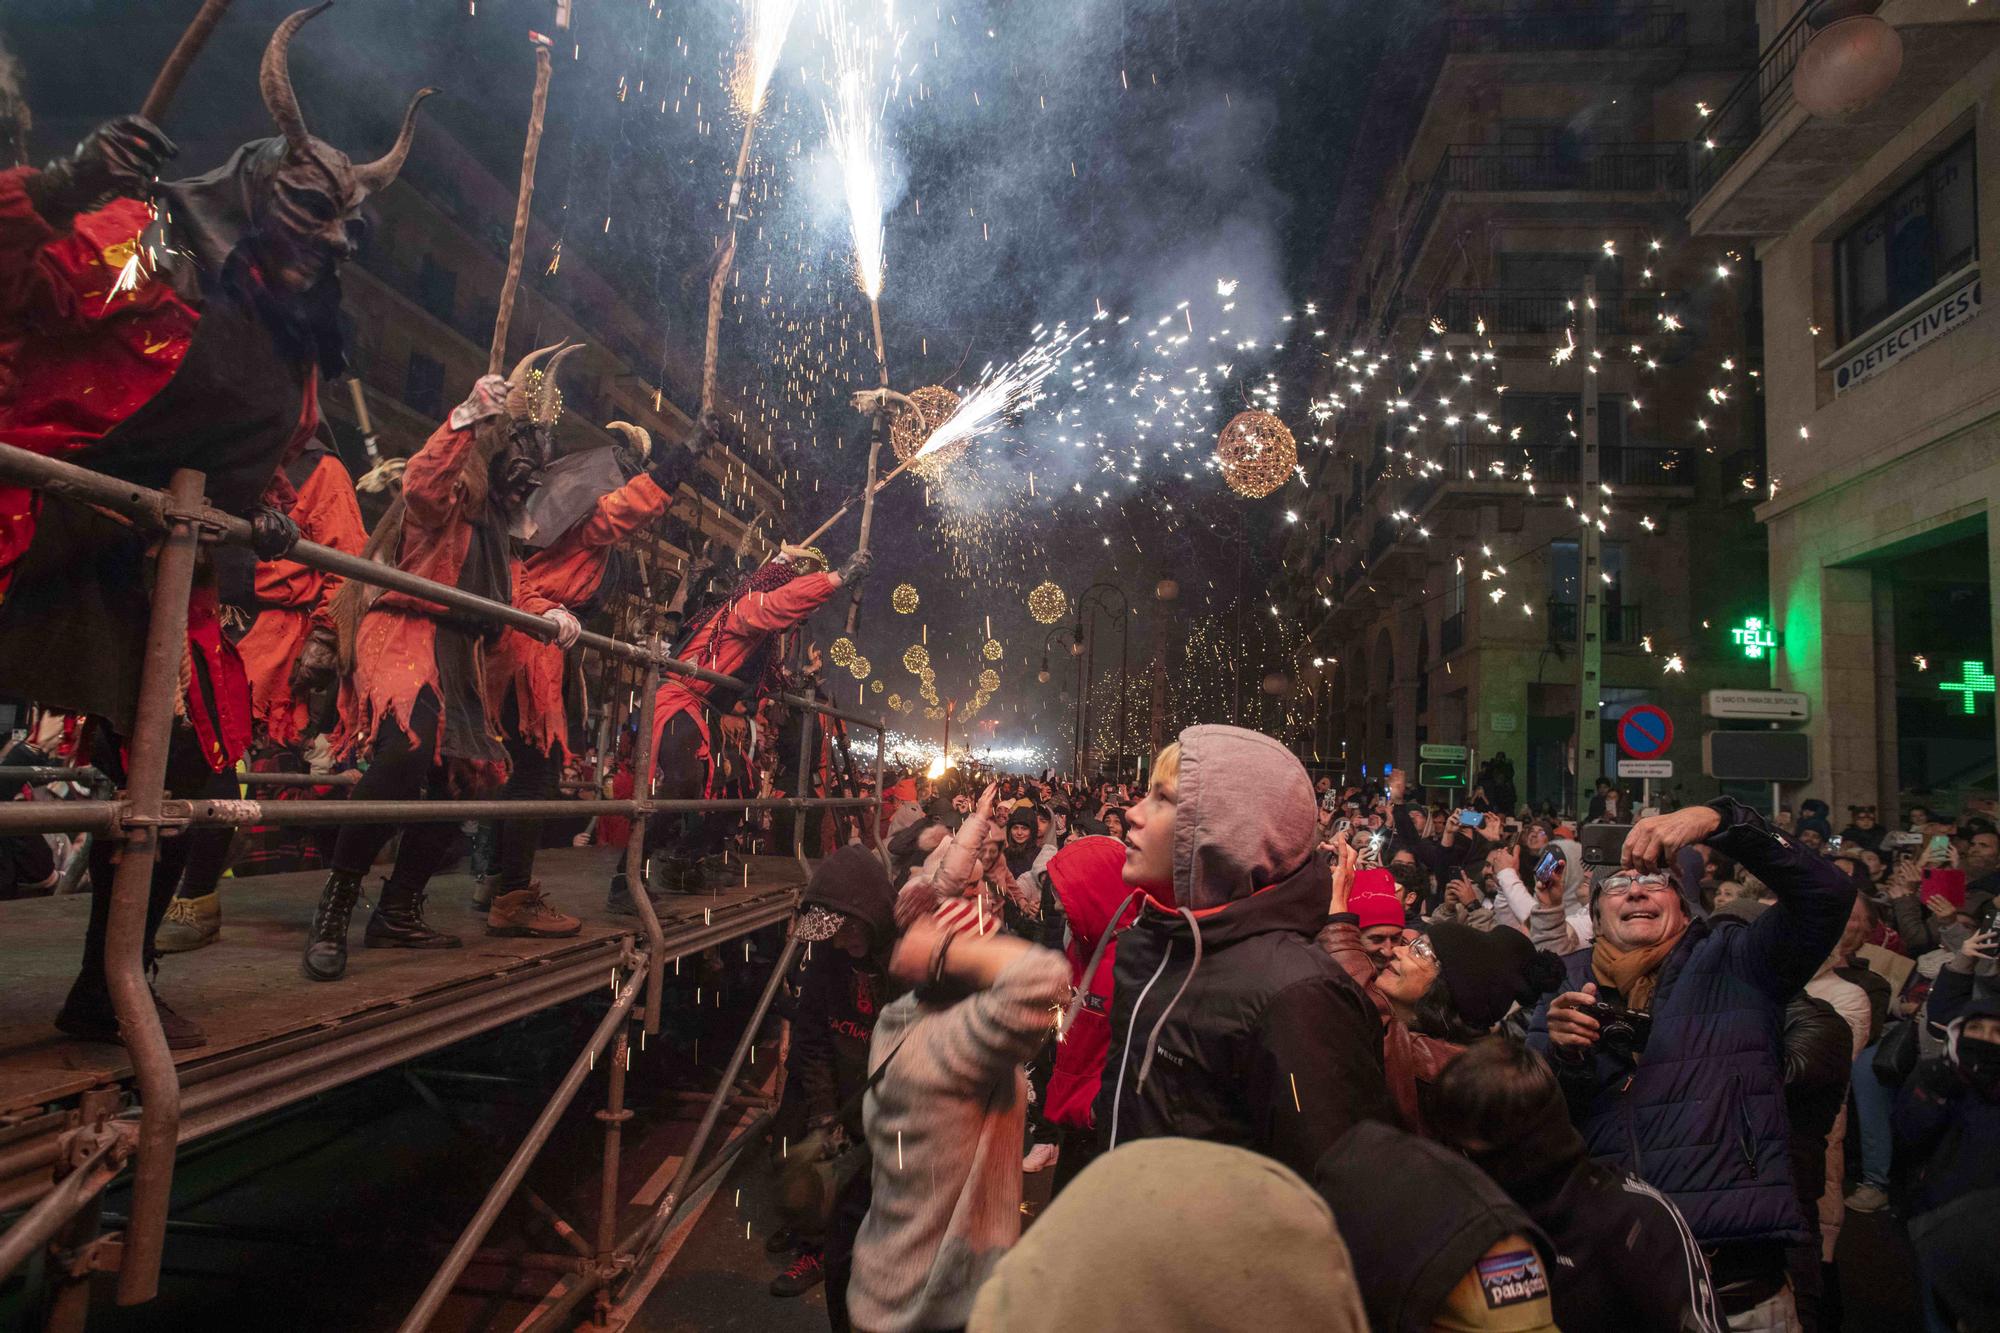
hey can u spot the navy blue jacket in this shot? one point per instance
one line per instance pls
(1702, 1116)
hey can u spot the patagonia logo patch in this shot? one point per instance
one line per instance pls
(1512, 1279)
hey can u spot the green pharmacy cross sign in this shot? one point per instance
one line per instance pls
(1755, 638)
(1974, 680)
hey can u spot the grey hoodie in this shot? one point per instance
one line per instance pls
(1245, 816)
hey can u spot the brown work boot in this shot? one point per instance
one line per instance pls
(190, 923)
(526, 912)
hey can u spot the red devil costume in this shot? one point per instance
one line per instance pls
(136, 339)
(289, 651)
(416, 704)
(741, 637)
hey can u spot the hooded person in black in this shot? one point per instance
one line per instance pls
(1435, 1244)
(1227, 1022)
(847, 916)
(1623, 1256)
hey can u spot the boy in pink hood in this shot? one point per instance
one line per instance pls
(1227, 1022)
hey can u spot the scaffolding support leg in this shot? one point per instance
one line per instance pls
(614, 1115)
(503, 1189)
(132, 884)
(635, 844)
(656, 1226)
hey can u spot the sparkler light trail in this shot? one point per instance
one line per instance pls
(854, 133)
(765, 24)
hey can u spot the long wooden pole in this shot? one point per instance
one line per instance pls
(168, 81)
(517, 248)
(715, 285)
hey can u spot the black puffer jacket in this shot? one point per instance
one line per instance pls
(1271, 1047)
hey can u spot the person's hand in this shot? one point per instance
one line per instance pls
(1981, 946)
(318, 660)
(1654, 841)
(1549, 892)
(1345, 861)
(1570, 1027)
(568, 627)
(1462, 890)
(855, 570)
(272, 533)
(580, 840)
(1504, 858)
(1940, 907)
(984, 805)
(118, 159)
(1903, 880)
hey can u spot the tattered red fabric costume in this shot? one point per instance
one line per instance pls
(568, 573)
(293, 599)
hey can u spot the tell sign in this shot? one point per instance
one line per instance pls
(1645, 732)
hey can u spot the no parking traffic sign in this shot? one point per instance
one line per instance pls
(1645, 732)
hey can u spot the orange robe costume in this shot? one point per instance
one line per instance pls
(294, 600)
(395, 648)
(566, 573)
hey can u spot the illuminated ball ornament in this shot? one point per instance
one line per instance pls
(916, 659)
(1851, 59)
(841, 651)
(1046, 603)
(874, 687)
(909, 431)
(896, 702)
(993, 651)
(1167, 590)
(859, 667)
(989, 680)
(904, 599)
(1256, 453)
(934, 714)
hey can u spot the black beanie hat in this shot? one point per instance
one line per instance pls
(1486, 971)
(1024, 816)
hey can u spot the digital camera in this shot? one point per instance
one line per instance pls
(1621, 1032)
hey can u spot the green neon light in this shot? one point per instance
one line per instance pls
(1755, 638)
(1974, 680)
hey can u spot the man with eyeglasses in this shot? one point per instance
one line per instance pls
(1666, 1040)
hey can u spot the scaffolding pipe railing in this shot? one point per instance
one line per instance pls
(144, 813)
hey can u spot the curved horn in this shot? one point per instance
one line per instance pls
(377, 175)
(274, 78)
(545, 410)
(637, 436)
(518, 405)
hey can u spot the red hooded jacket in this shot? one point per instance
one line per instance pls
(1087, 878)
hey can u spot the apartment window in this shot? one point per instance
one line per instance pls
(423, 385)
(1564, 559)
(437, 288)
(1913, 240)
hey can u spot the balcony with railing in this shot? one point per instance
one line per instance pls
(1652, 170)
(1545, 27)
(1530, 312)
(1622, 622)
(1761, 160)
(1561, 463)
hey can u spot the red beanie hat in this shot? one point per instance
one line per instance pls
(1374, 900)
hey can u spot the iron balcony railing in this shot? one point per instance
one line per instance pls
(1611, 168)
(1559, 27)
(1631, 464)
(1548, 312)
(1735, 125)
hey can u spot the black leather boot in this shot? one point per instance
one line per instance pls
(619, 903)
(326, 947)
(398, 922)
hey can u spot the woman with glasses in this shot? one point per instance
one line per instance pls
(1439, 990)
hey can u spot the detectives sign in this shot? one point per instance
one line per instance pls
(1935, 319)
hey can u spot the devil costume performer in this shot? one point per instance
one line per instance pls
(136, 340)
(743, 637)
(415, 705)
(584, 508)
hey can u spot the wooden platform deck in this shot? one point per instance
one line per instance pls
(274, 1036)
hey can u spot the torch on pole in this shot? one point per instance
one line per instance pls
(524, 198)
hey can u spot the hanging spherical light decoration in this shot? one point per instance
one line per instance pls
(909, 430)
(904, 599)
(860, 667)
(916, 658)
(1256, 453)
(1046, 603)
(874, 687)
(989, 680)
(993, 651)
(1851, 59)
(934, 714)
(896, 702)
(1167, 590)
(841, 651)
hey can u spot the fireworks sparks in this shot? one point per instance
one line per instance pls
(765, 26)
(854, 129)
